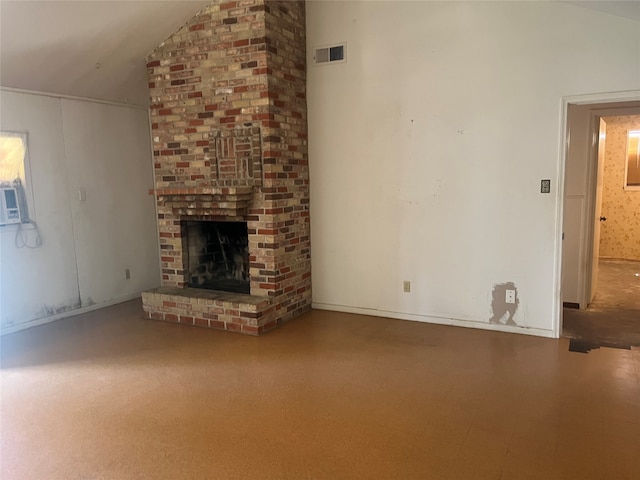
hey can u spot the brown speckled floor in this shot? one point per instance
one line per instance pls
(108, 395)
(614, 315)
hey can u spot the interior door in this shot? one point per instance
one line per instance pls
(602, 136)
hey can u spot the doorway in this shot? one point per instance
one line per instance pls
(601, 227)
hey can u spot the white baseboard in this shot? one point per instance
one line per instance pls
(71, 313)
(537, 332)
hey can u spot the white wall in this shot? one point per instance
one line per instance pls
(428, 145)
(87, 245)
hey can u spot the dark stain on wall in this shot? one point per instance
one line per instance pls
(504, 312)
(51, 310)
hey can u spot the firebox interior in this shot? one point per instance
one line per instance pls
(217, 255)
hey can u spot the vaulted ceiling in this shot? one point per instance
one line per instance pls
(97, 48)
(90, 48)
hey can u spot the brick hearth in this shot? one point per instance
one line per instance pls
(228, 112)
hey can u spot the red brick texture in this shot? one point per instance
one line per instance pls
(229, 124)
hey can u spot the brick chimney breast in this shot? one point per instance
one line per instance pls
(229, 124)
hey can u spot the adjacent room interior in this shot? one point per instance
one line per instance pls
(601, 247)
(313, 239)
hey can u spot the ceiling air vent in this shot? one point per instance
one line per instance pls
(331, 54)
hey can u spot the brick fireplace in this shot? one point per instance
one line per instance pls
(228, 112)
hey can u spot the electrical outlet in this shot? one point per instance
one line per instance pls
(545, 186)
(127, 273)
(406, 286)
(510, 296)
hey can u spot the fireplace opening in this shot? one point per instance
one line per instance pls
(217, 255)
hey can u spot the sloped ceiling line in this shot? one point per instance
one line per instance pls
(97, 49)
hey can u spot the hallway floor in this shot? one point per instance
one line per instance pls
(108, 395)
(614, 316)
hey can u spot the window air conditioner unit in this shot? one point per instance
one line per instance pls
(9, 207)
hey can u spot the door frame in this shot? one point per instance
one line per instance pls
(588, 221)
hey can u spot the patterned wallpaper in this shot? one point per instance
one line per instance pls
(620, 234)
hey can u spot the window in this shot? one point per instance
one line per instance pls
(632, 170)
(13, 150)
(14, 172)
(16, 199)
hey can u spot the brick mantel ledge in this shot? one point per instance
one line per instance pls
(216, 201)
(210, 190)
